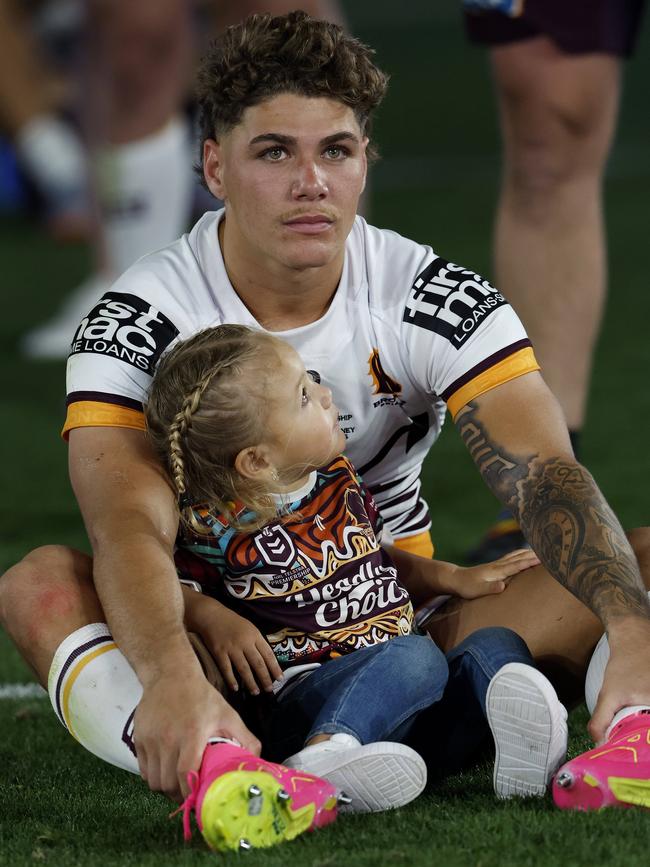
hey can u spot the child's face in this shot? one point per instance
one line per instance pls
(303, 421)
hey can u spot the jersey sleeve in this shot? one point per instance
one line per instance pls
(459, 335)
(116, 348)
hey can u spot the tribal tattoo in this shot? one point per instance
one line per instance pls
(565, 518)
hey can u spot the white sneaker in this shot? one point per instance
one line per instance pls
(528, 724)
(52, 340)
(377, 776)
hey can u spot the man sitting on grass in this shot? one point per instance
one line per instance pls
(399, 334)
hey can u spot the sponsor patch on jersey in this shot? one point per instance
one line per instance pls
(451, 301)
(125, 327)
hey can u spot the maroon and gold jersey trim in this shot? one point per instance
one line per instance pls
(420, 544)
(494, 371)
(92, 413)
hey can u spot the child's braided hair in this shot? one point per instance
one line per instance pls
(202, 411)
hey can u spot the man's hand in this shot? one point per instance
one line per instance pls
(173, 722)
(627, 676)
(489, 578)
(234, 642)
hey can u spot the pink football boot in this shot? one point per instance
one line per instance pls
(241, 801)
(615, 774)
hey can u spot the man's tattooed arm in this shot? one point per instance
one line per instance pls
(566, 520)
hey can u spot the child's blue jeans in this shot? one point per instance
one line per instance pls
(403, 690)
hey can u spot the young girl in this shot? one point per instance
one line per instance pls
(281, 533)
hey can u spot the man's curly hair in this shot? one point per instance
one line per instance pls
(267, 55)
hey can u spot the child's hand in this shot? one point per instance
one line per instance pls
(238, 646)
(234, 642)
(475, 581)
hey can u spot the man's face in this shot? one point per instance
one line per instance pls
(290, 174)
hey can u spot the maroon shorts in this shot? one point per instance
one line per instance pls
(575, 26)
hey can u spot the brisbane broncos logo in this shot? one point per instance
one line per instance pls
(384, 384)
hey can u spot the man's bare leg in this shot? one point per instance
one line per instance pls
(45, 598)
(49, 607)
(48, 596)
(558, 116)
(560, 631)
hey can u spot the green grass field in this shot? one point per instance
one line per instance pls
(437, 183)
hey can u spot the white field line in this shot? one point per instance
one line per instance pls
(21, 690)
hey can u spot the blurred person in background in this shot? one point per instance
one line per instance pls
(131, 74)
(37, 98)
(557, 73)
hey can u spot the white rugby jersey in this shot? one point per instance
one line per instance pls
(407, 335)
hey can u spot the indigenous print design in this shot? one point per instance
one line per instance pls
(316, 582)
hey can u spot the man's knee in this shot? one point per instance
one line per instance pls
(558, 118)
(49, 584)
(551, 161)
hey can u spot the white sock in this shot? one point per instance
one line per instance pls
(596, 673)
(94, 692)
(55, 159)
(145, 190)
(622, 713)
(594, 682)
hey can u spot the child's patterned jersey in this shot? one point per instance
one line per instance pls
(407, 336)
(316, 582)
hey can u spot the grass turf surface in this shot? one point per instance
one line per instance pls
(436, 183)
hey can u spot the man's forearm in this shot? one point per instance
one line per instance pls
(143, 603)
(579, 539)
(567, 521)
(131, 519)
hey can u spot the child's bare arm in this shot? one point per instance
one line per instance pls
(424, 578)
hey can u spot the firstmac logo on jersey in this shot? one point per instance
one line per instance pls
(451, 301)
(125, 327)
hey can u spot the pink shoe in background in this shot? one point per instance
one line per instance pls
(615, 774)
(242, 802)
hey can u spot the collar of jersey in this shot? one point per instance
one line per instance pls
(231, 305)
(288, 497)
